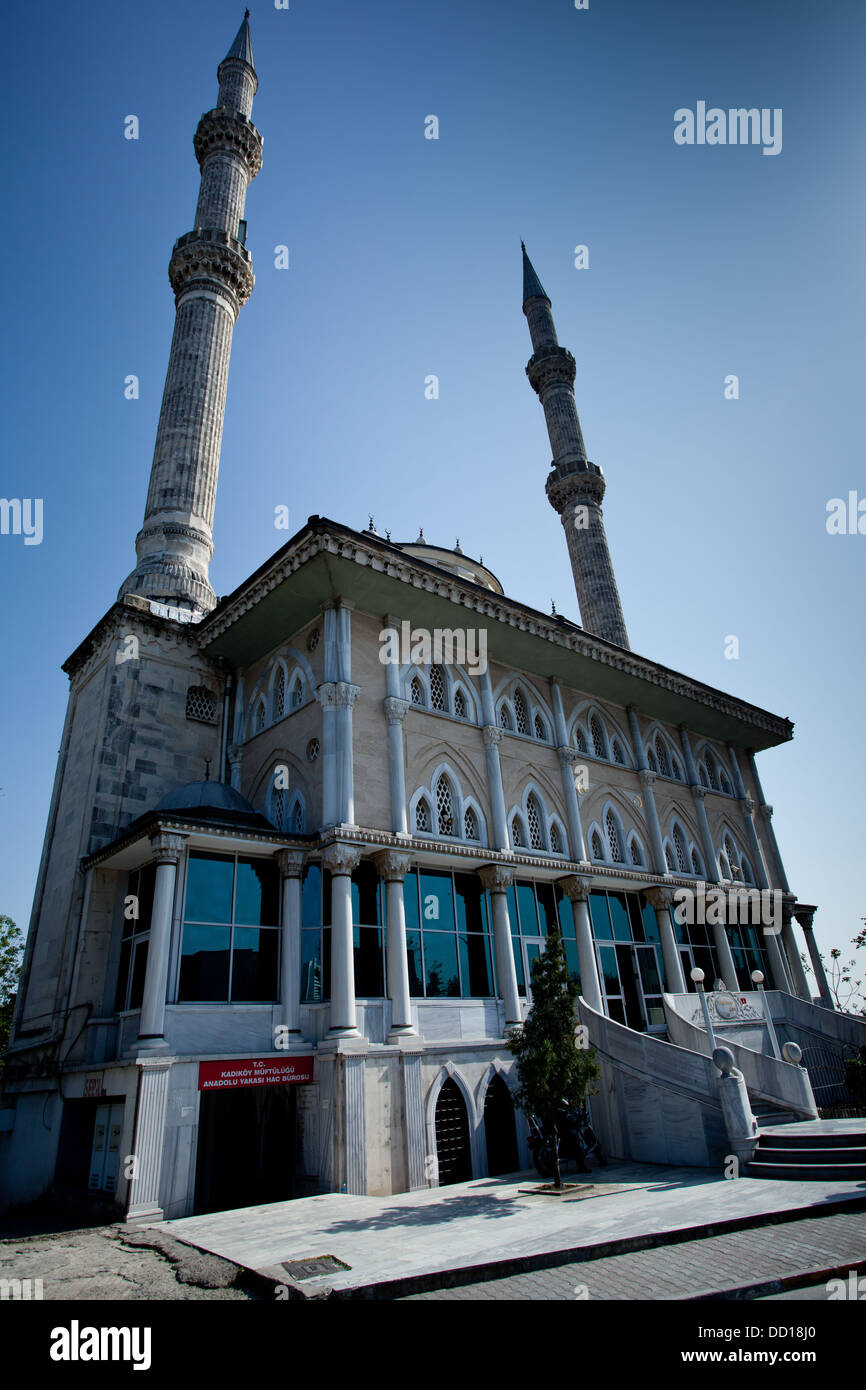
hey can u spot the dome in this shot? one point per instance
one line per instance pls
(212, 801)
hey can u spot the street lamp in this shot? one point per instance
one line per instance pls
(698, 977)
(758, 979)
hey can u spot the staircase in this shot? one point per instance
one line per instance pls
(820, 1149)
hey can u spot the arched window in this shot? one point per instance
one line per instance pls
(732, 856)
(280, 694)
(437, 688)
(724, 866)
(697, 865)
(669, 860)
(580, 740)
(555, 841)
(504, 716)
(422, 816)
(703, 775)
(618, 753)
(470, 824)
(680, 849)
(652, 762)
(296, 694)
(636, 852)
(280, 808)
(613, 838)
(540, 731)
(297, 817)
(712, 770)
(520, 716)
(533, 817)
(416, 691)
(748, 876)
(595, 848)
(516, 833)
(662, 755)
(459, 704)
(724, 782)
(445, 806)
(676, 769)
(597, 735)
(260, 717)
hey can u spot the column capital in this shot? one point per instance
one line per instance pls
(235, 754)
(491, 735)
(337, 694)
(659, 898)
(340, 858)
(698, 792)
(805, 915)
(568, 756)
(767, 812)
(167, 848)
(392, 865)
(496, 877)
(290, 862)
(747, 806)
(395, 709)
(647, 777)
(576, 888)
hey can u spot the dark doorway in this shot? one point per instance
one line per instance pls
(247, 1142)
(452, 1136)
(499, 1129)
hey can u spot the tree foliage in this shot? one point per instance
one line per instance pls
(11, 952)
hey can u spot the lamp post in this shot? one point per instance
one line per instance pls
(698, 977)
(758, 979)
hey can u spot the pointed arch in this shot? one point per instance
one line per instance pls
(449, 1072)
(635, 852)
(439, 809)
(290, 659)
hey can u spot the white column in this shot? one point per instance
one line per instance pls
(727, 968)
(805, 916)
(325, 697)
(660, 900)
(747, 806)
(792, 955)
(567, 759)
(578, 890)
(291, 866)
(492, 740)
(167, 850)
(344, 698)
(395, 713)
(393, 868)
(340, 860)
(143, 1200)
(776, 959)
(497, 878)
(699, 795)
(656, 849)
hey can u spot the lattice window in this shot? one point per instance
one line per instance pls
(580, 740)
(662, 755)
(651, 761)
(437, 688)
(725, 784)
(201, 704)
(533, 817)
(595, 848)
(669, 860)
(279, 808)
(555, 840)
(312, 750)
(597, 735)
(703, 775)
(261, 717)
(296, 694)
(470, 824)
(422, 816)
(516, 833)
(713, 772)
(636, 852)
(459, 704)
(731, 854)
(680, 847)
(677, 769)
(540, 731)
(748, 876)
(613, 838)
(504, 716)
(280, 694)
(445, 806)
(618, 753)
(724, 866)
(521, 719)
(697, 865)
(313, 640)
(416, 691)
(298, 819)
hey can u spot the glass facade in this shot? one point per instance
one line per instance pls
(230, 942)
(535, 909)
(448, 936)
(630, 961)
(135, 938)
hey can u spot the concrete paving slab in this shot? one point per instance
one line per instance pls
(448, 1234)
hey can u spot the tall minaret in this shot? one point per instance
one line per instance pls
(211, 273)
(575, 487)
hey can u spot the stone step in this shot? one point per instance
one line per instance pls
(818, 1140)
(806, 1153)
(807, 1172)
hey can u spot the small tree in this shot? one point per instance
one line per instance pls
(10, 969)
(552, 1065)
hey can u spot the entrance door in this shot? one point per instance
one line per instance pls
(247, 1141)
(499, 1129)
(105, 1154)
(453, 1150)
(632, 984)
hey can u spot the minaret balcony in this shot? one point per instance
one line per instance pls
(209, 254)
(226, 131)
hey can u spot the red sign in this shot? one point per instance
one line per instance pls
(93, 1085)
(256, 1071)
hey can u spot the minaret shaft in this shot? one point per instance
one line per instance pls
(211, 274)
(575, 487)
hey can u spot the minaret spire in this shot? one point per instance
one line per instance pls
(575, 487)
(211, 273)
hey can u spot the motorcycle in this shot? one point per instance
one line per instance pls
(577, 1140)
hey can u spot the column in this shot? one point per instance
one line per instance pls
(699, 796)
(660, 899)
(236, 761)
(393, 867)
(776, 960)
(291, 865)
(747, 806)
(167, 850)
(577, 890)
(395, 713)
(805, 916)
(726, 960)
(325, 697)
(340, 860)
(496, 878)
(658, 855)
(492, 739)
(143, 1200)
(567, 759)
(792, 955)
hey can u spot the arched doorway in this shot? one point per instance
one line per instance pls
(499, 1129)
(453, 1150)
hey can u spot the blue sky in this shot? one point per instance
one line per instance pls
(556, 125)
